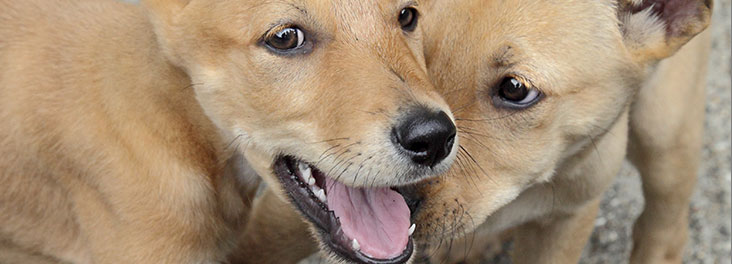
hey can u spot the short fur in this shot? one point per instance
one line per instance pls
(122, 126)
(541, 171)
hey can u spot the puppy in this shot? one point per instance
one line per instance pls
(548, 98)
(122, 127)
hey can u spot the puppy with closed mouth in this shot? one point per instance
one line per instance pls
(121, 126)
(561, 93)
(549, 97)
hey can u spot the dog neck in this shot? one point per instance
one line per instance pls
(139, 91)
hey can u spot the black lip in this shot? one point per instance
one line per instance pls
(325, 220)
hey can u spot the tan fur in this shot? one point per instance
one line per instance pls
(272, 221)
(541, 171)
(554, 215)
(121, 125)
(665, 146)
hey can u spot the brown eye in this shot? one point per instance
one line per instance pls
(513, 90)
(514, 93)
(286, 39)
(408, 19)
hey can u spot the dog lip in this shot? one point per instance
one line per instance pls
(316, 211)
(324, 219)
(337, 242)
(406, 254)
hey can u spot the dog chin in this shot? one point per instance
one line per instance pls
(330, 256)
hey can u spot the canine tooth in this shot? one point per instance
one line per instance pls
(320, 193)
(411, 229)
(355, 245)
(306, 174)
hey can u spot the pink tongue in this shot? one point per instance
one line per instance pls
(377, 217)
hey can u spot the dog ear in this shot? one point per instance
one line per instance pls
(656, 29)
(165, 10)
(164, 16)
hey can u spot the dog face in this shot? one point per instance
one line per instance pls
(532, 84)
(328, 100)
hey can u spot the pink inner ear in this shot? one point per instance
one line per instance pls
(675, 13)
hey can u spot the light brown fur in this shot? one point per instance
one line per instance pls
(542, 171)
(661, 104)
(121, 125)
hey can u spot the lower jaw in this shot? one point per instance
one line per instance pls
(329, 229)
(358, 257)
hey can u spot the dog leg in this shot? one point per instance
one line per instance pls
(558, 239)
(665, 145)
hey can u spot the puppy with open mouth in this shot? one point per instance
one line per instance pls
(121, 125)
(370, 125)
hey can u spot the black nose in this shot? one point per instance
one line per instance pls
(425, 136)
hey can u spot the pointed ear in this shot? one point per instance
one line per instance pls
(164, 16)
(165, 10)
(656, 29)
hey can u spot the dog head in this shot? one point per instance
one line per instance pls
(532, 84)
(328, 100)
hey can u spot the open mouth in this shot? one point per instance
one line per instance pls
(365, 225)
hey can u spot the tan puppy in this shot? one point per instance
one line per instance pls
(120, 125)
(543, 93)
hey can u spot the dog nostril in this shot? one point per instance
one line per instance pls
(425, 136)
(450, 141)
(418, 147)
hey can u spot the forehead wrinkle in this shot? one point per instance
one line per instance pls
(504, 57)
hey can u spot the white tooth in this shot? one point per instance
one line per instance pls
(321, 195)
(306, 174)
(305, 171)
(411, 229)
(311, 181)
(355, 245)
(302, 166)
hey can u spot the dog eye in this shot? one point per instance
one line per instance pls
(286, 39)
(515, 94)
(408, 19)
